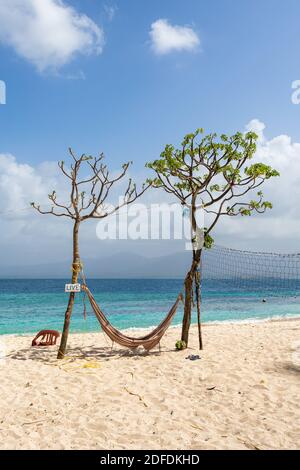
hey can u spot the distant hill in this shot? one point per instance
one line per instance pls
(218, 263)
(121, 265)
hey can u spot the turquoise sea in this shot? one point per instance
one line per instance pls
(27, 306)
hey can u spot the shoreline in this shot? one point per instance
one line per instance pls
(248, 321)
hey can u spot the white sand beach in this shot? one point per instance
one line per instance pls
(242, 394)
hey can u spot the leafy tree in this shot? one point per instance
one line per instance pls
(90, 186)
(214, 174)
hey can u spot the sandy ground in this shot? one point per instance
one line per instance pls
(242, 394)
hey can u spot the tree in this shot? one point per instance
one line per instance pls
(88, 198)
(213, 174)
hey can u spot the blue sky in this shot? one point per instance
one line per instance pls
(132, 101)
(128, 77)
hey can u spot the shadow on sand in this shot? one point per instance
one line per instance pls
(48, 354)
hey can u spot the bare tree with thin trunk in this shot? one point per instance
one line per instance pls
(87, 200)
(212, 175)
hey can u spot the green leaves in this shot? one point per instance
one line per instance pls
(247, 209)
(243, 211)
(208, 240)
(212, 171)
(267, 205)
(214, 187)
(262, 170)
(154, 182)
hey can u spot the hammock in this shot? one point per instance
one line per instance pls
(148, 341)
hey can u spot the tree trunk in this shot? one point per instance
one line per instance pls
(198, 301)
(75, 272)
(190, 277)
(188, 300)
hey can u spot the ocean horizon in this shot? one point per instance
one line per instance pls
(29, 305)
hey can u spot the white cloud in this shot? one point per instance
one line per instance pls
(49, 237)
(255, 125)
(18, 182)
(21, 184)
(110, 11)
(167, 38)
(281, 153)
(279, 228)
(48, 33)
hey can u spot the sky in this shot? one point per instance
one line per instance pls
(128, 77)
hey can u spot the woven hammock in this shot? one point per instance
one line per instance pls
(148, 341)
